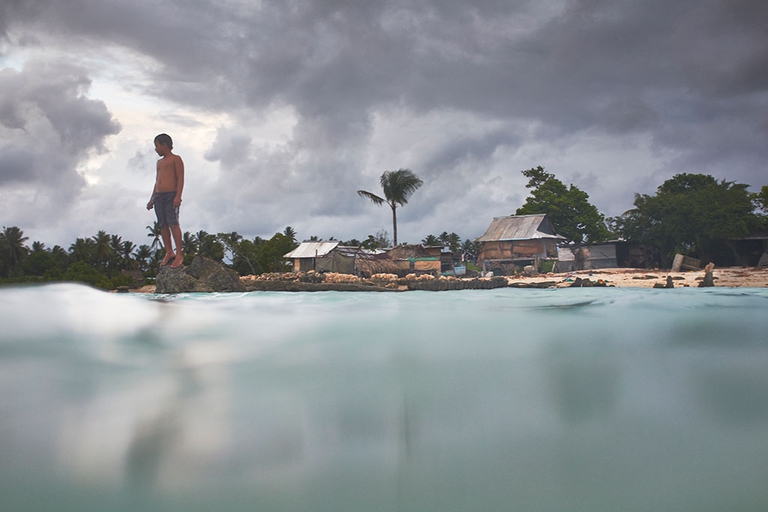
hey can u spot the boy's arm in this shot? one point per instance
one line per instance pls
(151, 202)
(179, 168)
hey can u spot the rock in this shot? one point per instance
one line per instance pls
(709, 279)
(203, 275)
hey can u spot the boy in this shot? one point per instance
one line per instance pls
(166, 198)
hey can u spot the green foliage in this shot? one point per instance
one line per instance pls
(761, 199)
(12, 249)
(546, 266)
(690, 214)
(81, 272)
(210, 246)
(430, 240)
(471, 249)
(42, 263)
(568, 208)
(258, 256)
(270, 256)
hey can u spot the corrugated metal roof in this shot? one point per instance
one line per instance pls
(519, 227)
(312, 249)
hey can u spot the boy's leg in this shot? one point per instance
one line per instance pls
(165, 234)
(179, 259)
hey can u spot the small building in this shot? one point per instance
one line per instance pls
(601, 256)
(517, 240)
(332, 257)
(750, 251)
(611, 254)
(323, 257)
(416, 259)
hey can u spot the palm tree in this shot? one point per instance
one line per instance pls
(126, 253)
(398, 187)
(189, 243)
(143, 253)
(115, 259)
(154, 234)
(200, 236)
(12, 248)
(82, 250)
(453, 242)
(471, 249)
(102, 249)
(290, 233)
(210, 247)
(231, 242)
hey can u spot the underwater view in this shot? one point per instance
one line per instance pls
(479, 400)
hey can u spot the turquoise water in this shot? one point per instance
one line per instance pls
(560, 399)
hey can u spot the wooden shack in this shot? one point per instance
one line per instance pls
(517, 240)
(323, 257)
(416, 259)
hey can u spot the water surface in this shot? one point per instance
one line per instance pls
(558, 399)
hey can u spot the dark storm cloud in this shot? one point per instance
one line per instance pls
(690, 77)
(592, 64)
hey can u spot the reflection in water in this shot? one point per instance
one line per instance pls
(418, 401)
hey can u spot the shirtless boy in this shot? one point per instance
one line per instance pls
(166, 198)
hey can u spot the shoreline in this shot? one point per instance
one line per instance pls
(729, 277)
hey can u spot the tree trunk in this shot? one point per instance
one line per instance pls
(394, 225)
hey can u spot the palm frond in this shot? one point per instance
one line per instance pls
(373, 197)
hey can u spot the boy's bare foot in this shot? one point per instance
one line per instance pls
(177, 262)
(168, 257)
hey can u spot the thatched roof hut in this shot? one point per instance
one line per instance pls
(404, 252)
(376, 264)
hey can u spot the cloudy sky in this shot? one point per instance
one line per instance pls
(283, 109)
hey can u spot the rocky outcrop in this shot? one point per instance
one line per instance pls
(203, 275)
(315, 281)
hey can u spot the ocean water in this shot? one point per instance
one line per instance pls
(593, 399)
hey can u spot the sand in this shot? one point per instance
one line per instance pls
(734, 277)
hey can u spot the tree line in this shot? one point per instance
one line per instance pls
(107, 261)
(691, 214)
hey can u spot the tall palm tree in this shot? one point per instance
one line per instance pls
(126, 254)
(12, 248)
(102, 249)
(398, 187)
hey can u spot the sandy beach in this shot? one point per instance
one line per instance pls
(734, 277)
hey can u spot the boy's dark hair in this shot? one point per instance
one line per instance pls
(165, 139)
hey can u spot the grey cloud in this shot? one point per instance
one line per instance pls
(690, 76)
(138, 161)
(47, 127)
(16, 164)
